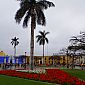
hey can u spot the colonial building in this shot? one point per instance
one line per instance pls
(54, 60)
(51, 60)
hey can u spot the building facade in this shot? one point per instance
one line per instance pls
(24, 60)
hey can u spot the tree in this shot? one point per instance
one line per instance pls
(32, 9)
(73, 48)
(42, 39)
(77, 44)
(15, 42)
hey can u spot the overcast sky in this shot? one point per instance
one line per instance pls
(64, 20)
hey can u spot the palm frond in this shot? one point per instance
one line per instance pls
(41, 17)
(12, 42)
(26, 19)
(41, 32)
(41, 5)
(19, 14)
(47, 33)
(17, 38)
(17, 42)
(47, 3)
(38, 39)
(41, 42)
(25, 3)
(46, 40)
(38, 36)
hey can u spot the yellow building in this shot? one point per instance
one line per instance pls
(2, 53)
(51, 60)
(48, 60)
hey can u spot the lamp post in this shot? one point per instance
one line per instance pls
(25, 59)
(67, 58)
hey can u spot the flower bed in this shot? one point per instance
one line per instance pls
(62, 77)
(51, 75)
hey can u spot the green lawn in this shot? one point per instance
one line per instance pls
(75, 72)
(7, 80)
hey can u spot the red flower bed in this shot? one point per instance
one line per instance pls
(63, 77)
(51, 75)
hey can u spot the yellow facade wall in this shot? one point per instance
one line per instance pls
(2, 53)
(48, 60)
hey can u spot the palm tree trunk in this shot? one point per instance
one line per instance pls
(14, 51)
(32, 42)
(15, 54)
(43, 56)
(32, 49)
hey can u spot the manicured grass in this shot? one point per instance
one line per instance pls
(76, 72)
(7, 80)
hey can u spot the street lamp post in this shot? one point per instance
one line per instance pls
(25, 59)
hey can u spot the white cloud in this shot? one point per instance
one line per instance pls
(64, 20)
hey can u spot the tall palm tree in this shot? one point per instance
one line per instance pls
(42, 39)
(32, 9)
(15, 42)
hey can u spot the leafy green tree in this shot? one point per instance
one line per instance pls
(42, 39)
(15, 42)
(32, 9)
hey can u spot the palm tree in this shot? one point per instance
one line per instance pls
(32, 9)
(15, 42)
(42, 39)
